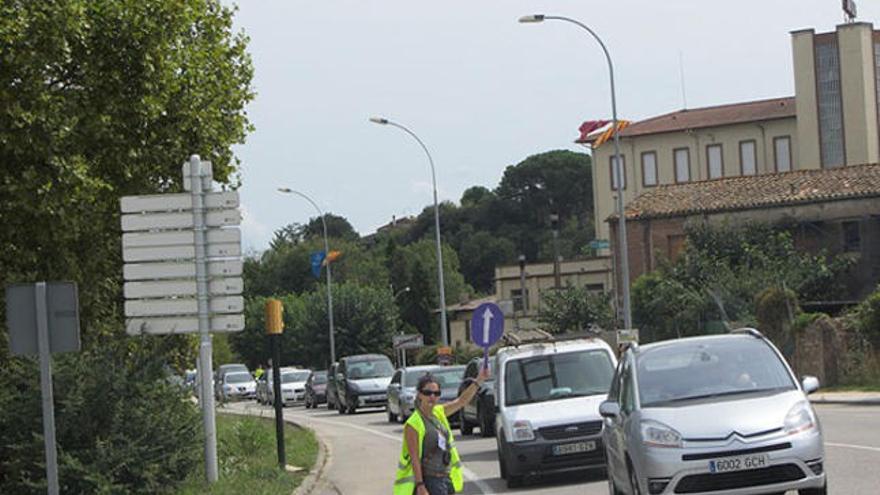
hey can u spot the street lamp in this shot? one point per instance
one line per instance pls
(618, 166)
(384, 121)
(287, 190)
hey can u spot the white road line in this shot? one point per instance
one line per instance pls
(470, 475)
(851, 446)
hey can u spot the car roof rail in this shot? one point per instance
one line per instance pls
(749, 330)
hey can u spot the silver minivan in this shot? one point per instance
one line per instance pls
(715, 414)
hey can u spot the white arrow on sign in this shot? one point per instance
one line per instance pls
(169, 288)
(161, 326)
(160, 271)
(487, 323)
(174, 202)
(183, 306)
(182, 220)
(168, 253)
(178, 238)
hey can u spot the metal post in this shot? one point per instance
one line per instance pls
(522, 284)
(279, 399)
(46, 387)
(554, 223)
(205, 348)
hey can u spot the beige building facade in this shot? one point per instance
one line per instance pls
(593, 273)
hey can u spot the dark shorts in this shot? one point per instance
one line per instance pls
(439, 486)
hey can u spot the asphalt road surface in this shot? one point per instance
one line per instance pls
(363, 451)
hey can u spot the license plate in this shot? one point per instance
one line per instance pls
(738, 463)
(574, 448)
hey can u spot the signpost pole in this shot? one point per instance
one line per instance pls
(42, 315)
(274, 327)
(205, 349)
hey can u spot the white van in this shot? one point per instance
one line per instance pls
(548, 397)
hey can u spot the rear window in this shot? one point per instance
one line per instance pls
(557, 376)
(238, 377)
(319, 378)
(373, 368)
(295, 376)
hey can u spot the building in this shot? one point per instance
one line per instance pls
(698, 156)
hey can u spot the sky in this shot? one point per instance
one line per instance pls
(481, 90)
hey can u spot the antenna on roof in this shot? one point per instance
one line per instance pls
(684, 100)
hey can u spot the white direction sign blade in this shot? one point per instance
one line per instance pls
(174, 202)
(161, 271)
(168, 253)
(178, 238)
(181, 220)
(169, 288)
(160, 326)
(183, 306)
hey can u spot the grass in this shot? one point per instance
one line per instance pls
(873, 387)
(248, 458)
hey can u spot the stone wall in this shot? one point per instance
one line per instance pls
(834, 354)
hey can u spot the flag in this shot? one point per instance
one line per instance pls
(605, 136)
(331, 257)
(589, 126)
(317, 262)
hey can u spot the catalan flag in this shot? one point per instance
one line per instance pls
(609, 134)
(331, 257)
(588, 127)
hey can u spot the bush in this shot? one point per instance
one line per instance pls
(574, 309)
(867, 318)
(775, 310)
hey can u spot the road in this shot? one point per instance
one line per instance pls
(363, 451)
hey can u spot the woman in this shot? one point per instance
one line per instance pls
(429, 462)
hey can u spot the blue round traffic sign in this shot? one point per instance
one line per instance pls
(487, 324)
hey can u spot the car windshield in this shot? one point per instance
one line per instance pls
(238, 377)
(447, 377)
(373, 368)
(319, 378)
(557, 376)
(295, 376)
(709, 368)
(229, 368)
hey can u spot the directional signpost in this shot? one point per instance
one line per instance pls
(182, 272)
(487, 326)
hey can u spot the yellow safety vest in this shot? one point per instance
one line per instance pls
(405, 483)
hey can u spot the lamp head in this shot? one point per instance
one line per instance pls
(379, 120)
(285, 190)
(527, 19)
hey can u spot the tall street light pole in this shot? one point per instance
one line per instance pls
(618, 166)
(384, 121)
(287, 190)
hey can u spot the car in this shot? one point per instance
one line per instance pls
(263, 387)
(362, 381)
(237, 385)
(222, 370)
(401, 393)
(721, 413)
(481, 410)
(548, 397)
(330, 390)
(293, 385)
(316, 389)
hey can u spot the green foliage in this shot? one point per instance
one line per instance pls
(461, 354)
(719, 275)
(867, 318)
(803, 320)
(573, 309)
(775, 311)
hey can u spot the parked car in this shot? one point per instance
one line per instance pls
(480, 411)
(222, 370)
(715, 413)
(402, 391)
(293, 385)
(316, 389)
(237, 385)
(548, 398)
(330, 390)
(362, 381)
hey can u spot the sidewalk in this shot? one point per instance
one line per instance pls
(851, 398)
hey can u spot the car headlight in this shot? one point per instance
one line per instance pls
(656, 434)
(354, 387)
(522, 431)
(799, 418)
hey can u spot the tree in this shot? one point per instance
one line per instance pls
(573, 309)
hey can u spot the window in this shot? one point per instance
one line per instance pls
(595, 287)
(558, 376)
(611, 169)
(830, 104)
(852, 237)
(714, 161)
(516, 296)
(782, 153)
(649, 169)
(682, 165)
(467, 330)
(748, 161)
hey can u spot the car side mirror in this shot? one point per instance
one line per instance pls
(609, 409)
(810, 384)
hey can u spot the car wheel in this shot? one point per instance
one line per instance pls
(340, 407)
(823, 490)
(330, 405)
(487, 429)
(392, 418)
(352, 409)
(502, 467)
(633, 479)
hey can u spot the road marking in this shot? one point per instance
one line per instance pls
(851, 446)
(481, 485)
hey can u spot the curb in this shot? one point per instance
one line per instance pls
(851, 402)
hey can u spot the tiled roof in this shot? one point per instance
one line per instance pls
(760, 191)
(469, 305)
(698, 118)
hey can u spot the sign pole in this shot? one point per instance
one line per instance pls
(274, 327)
(46, 387)
(205, 349)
